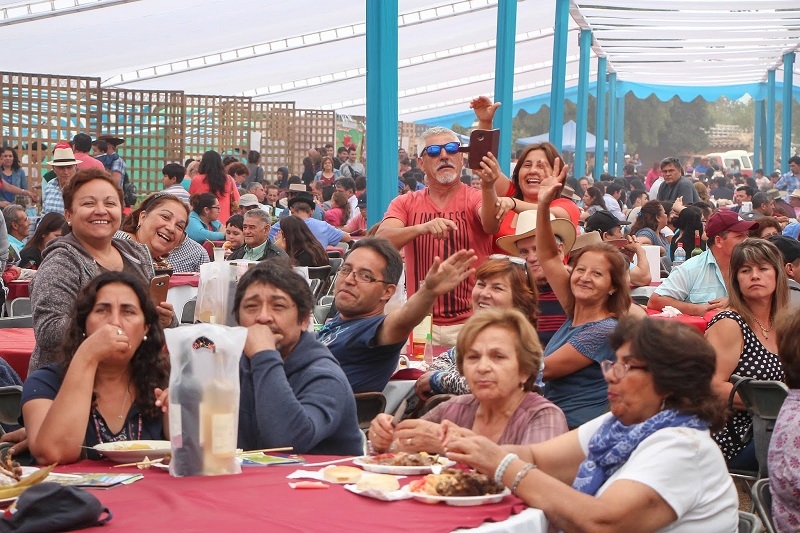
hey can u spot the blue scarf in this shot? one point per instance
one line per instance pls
(613, 443)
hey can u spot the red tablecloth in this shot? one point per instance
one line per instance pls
(179, 280)
(16, 347)
(698, 322)
(260, 500)
(18, 289)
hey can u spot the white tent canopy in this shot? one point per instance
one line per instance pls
(313, 53)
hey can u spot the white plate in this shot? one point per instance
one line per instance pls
(459, 501)
(27, 471)
(400, 470)
(156, 449)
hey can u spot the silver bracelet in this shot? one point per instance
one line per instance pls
(520, 476)
(501, 468)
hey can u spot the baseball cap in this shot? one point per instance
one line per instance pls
(362, 200)
(790, 248)
(752, 215)
(248, 200)
(727, 221)
(603, 221)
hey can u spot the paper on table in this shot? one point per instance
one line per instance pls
(393, 496)
(669, 311)
(319, 474)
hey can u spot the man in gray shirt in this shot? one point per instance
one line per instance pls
(675, 183)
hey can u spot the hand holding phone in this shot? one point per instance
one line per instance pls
(159, 286)
(481, 142)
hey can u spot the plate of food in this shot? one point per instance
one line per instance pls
(458, 488)
(134, 451)
(15, 479)
(402, 463)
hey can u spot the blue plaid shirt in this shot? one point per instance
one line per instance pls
(52, 201)
(788, 182)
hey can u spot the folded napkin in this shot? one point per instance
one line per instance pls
(669, 312)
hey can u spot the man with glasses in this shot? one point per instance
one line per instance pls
(445, 217)
(364, 340)
(675, 184)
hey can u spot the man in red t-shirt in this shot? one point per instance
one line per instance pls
(441, 219)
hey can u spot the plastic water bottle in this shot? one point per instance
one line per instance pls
(428, 355)
(680, 256)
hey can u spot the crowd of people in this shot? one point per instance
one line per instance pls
(561, 387)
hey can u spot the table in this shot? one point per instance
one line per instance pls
(182, 288)
(260, 499)
(699, 322)
(16, 347)
(18, 289)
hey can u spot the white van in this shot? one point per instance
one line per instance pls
(727, 159)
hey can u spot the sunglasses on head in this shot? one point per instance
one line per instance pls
(434, 150)
(515, 260)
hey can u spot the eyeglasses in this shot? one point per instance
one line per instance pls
(361, 276)
(435, 149)
(516, 260)
(619, 369)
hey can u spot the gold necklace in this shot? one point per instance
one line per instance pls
(764, 331)
(121, 415)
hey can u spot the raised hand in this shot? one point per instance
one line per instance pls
(259, 338)
(444, 276)
(554, 178)
(484, 110)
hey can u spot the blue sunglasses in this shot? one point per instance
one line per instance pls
(434, 150)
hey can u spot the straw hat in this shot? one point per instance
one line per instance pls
(110, 139)
(298, 187)
(63, 156)
(526, 227)
(593, 237)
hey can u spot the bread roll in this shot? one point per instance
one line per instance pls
(381, 482)
(342, 474)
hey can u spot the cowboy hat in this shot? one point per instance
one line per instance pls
(297, 187)
(110, 139)
(526, 227)
(63, 156)
(304, 197)
(593, 237)
(569, 192)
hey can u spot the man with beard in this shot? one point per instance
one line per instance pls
(441, 219)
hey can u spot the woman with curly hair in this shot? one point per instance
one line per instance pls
(300, 244)
(649, 223)
(110, 383)
(212, 178)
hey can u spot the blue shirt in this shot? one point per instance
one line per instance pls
(582, 395)
(197, 230)
(18, 179)
(698, 281)
(16, 243)
(326, 234)
(354, 343)
(788, 182)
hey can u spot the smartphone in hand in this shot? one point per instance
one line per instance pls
(159, 286)
(482, 142)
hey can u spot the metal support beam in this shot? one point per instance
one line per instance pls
(612, 124)
(504, 76)
(559, 73)
(600, 118)
(381, 106)
(769, 140)
(620, 142)
(786, 111)
(583, 103)
(758, 133)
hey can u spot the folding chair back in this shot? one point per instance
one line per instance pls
(187, 314)
(762, 500)
(749, 523)
(368, 406)
(10, 409)
(25, 321)
(20, 307)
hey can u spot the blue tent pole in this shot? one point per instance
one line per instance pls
(559, 73)
(620, 130)
(600, 118)
(504, 76)
(583, 103)
(769, 141)
(612, 124)
(786, 111)
(758, 131)
(382, 93)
